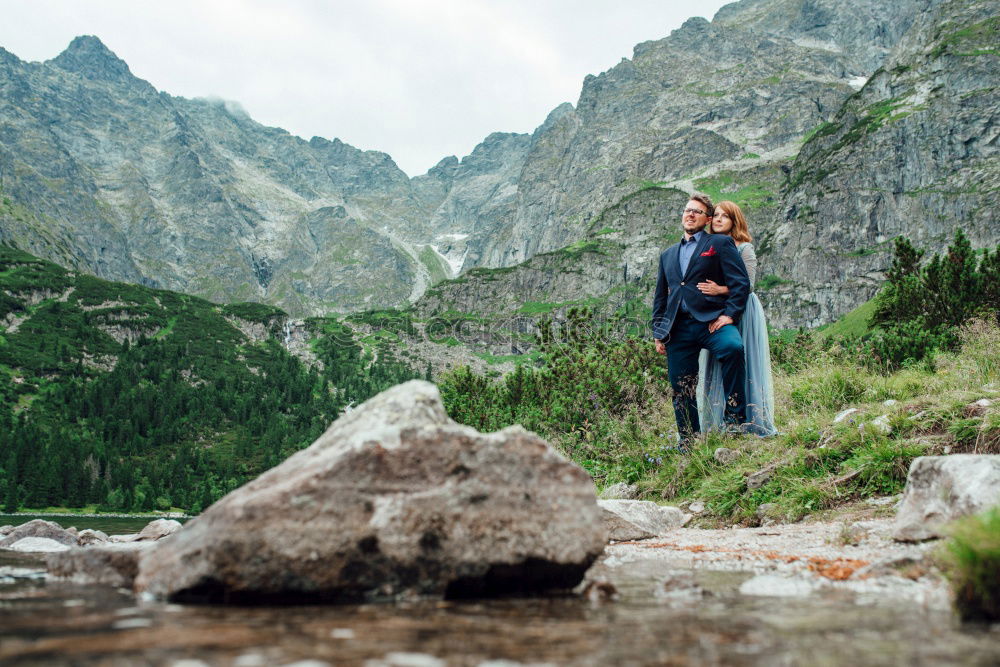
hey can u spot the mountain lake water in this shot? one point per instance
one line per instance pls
(709, 622)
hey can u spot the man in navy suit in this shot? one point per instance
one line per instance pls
(685, 320)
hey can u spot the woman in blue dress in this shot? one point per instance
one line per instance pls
(729, 219)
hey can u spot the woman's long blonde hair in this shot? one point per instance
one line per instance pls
(741, 230)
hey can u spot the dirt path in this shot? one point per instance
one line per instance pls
(792, 560)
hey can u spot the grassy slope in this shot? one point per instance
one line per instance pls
(816, 464)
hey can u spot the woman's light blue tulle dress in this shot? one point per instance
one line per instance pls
(759, 387)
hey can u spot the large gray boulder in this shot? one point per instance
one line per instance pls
(940, 489)
(39, 528)
(395, 499)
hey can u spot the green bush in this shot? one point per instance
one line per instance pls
(972, 563)
(592, 396)
(920, 308)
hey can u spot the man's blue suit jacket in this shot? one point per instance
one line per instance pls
(715, 258)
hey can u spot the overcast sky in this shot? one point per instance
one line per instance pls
(418, 79)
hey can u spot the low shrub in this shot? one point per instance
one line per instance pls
(972, 563)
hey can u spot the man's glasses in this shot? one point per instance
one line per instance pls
(695, 211)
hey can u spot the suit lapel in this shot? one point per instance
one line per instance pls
(698, 249)
(672, 263)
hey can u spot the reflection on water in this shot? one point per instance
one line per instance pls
(706, 621)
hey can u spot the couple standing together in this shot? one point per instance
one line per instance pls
(710, 324)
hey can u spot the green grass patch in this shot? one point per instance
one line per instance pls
(972, 563)
(770, 281)
(852, 324)
(730, 185)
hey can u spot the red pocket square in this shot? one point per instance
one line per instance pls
(709, 253)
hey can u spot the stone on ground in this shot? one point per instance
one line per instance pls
(844, 414)
(638, 519)
(725, 456)
(395, 499)
(620, 491)
(940, 489)
(39, 528)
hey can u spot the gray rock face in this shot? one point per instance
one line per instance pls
(864, 34)
(638, 519)
(914, 153)
(121, 181)
(940, 489)
(39, 528)
(704, 97)
(394, 499)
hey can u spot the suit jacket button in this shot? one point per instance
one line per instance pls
(682, 284)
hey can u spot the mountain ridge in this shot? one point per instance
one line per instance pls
(214, 203)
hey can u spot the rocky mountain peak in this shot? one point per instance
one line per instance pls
(8, 58)
(88, 56)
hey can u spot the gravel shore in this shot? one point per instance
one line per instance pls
(790, 560)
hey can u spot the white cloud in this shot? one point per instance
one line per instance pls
(417, 79)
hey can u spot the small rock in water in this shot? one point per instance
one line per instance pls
(88, 537)
(844, 414)
(159, 529)
(342, 633)
(400, 659)
(129, 623)
(620, 491)
(38, 545)
(774, 585)
(680, 587)
(600, 590)
(725, 456)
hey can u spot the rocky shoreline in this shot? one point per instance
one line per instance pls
(164, 515)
